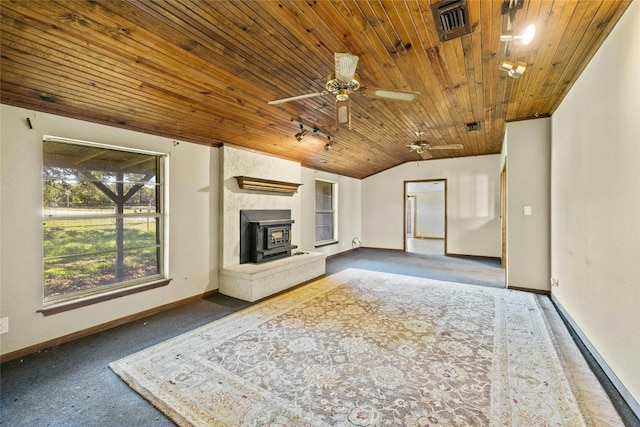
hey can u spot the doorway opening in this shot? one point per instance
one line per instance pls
(425, 228)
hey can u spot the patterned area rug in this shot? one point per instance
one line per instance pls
(362, 348)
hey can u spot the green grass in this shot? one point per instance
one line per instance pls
(81, 254)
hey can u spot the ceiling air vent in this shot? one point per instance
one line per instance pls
(472, 126)
(451, 19)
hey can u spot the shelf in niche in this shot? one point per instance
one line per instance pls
(259, 184)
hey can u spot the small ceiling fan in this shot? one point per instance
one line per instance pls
(423, 147)
(343, 82)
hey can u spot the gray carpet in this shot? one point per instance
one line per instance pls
(72, 385)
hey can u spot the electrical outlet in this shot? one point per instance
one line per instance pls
(555, 282)
(4, 325)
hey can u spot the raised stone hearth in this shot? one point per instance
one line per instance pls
(251, 282)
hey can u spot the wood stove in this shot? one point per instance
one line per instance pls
(265, 235)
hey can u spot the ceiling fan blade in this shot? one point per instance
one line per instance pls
(294, 98)
(345, 66)
(425, 154)
(446, 147)
(343, 113)
(394, 95)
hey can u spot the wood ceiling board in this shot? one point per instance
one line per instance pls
(596, 30)
(148, 70)
(550, 24)
(204, 71)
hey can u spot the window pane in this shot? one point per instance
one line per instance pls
(77, 176)
(324, 203)
(64, 197)
(102, 224)
(323, 188)
(324, 218)
(325, 214)
(75, 237)
(324, 233)
(63, 276)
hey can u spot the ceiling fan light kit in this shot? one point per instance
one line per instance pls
(342, 95)
(343, 82)
(343, 113)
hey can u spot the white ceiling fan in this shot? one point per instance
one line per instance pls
(343, 82)
(423, 147)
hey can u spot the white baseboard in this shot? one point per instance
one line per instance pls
(624, 393)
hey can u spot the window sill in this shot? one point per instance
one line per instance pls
(60, 308)
(327, 243)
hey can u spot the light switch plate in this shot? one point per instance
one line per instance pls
(527, 210)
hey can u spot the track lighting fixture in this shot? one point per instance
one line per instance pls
(510, 8)
(513, 69)
(300, 135)
(328, 146)
(307, 130)
(522, 39)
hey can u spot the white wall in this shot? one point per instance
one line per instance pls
(430, 218)
(528, 185)
(595, 201)
(473, 204)
(349, 213)
(192, 221)
(203, 231)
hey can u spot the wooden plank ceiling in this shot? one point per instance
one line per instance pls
(203, 71)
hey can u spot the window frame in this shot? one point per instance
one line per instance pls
(53, 305)
(334, 210)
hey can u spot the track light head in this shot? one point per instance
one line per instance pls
(329, 144)
(520, 39)
(513, 69)
(300, 135)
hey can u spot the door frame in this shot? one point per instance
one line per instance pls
(410, 215)
(503, 213)
(404, 209)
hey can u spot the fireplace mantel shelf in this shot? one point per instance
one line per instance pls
(259, 184)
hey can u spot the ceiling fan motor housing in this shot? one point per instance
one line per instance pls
(342, 89)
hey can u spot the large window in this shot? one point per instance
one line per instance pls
(326, 199)
(102, 215)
